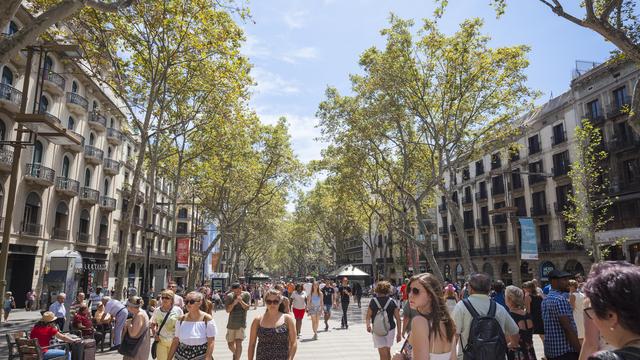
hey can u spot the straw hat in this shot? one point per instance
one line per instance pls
(48, 317)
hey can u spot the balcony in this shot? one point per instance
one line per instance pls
(160, 254)
(443, 230)
(559, 246)
(536, 179)
(448, 254)
(467, 199)
(89, 196)
(60, 234)
(595, 118)
(540, 210)
(103, 241)
(40, 175)
(623, 143)
(107, 203)
(110, 166)
(6, 159)
(93, 155)
(29, 229)
(616, 109)
(76, 148)
(557, 140)
(77, 104)
(481, 196)
(499, 219)
(481, 223)
(67, 187)
(83, 238)
(53, 82)
(97, 121)
(10, 98)
(442, 207)
(114, 136)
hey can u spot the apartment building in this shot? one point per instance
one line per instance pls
(534, 180)
(73, 176)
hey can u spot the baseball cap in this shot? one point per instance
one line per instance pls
(558, 274)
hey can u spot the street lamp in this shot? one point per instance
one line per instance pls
(72, 51)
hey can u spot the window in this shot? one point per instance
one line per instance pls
(111, 123)
(484, 215)
(71, 124)
(535, 172)
(468, 199)
(65, 167)
(465, 174)
(37, 153)
(48, 64)
(620, 98)
(559, 135)
(182, 213)
(94, 106)
(74, 87)
(7, 76)
(128, 152)
(515, 154)
(87, 177)
(83, 229)
(539, 202)
(516, 179)
(561, 163)
(43, 105)
(106, 187)
(631, 170)
(521, 204)
(13, 28)
(92, 139)
(543, 231)
(479, 167)
(534, 144)
(483, 190)
(468, 219)
(496, 162)
(497, 185)
(594, 111)
(562, 198)
(3, 131)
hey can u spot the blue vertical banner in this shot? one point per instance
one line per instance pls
(208, 238)
(529, 243)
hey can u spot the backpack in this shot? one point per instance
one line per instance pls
(381, 325)
(486, 338)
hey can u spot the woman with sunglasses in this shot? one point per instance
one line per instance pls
(138, 327)
(274, 332)
(612, 295)
(432, 329)
(164, 336)
(195, 332)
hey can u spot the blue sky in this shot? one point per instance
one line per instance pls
(299, 47)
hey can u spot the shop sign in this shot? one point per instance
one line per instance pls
(545, 268)
(94, 267)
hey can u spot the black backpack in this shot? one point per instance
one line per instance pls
(486, 339)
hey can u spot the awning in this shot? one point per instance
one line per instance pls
(348, 271)
(66, 254)
(217, 275)
(259, 275)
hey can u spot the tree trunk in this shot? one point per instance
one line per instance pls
(458, 223)
(428, 247)
(8, 9)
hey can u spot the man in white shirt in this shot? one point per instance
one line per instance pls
(119, 312)
(177, 299)
(479, 287)
(58, 309)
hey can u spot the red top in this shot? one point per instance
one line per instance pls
(44, 334)
(405, 294)
(86, 323)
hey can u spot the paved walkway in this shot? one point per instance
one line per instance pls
(336, 343)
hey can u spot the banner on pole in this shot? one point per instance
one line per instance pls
(182, 252)
(529, 244)
(209, 264)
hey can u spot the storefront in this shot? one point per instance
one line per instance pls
(20, 267)
(94, 271)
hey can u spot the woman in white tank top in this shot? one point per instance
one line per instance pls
(432, 331)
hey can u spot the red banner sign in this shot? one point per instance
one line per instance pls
(182, 252)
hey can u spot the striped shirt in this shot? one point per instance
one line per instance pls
(554, 306)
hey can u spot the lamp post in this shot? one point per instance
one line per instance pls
(71, 51)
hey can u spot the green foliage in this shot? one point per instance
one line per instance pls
(589, 203)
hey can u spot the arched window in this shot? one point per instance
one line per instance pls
(103, 235)
(7, 76)
(182, 213)
(31, 209)
(65, 167)
(48, 64)
(92, 139)
(83, 229)
(13, 28)
(109, 152)
(111, 123)
(87, 177)
(44, 104)
(60, 230)
(106, 187)
(37, 153)
(95, 105)
(71, 124)
(74, 87)
(3, 131)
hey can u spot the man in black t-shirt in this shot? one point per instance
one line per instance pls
(328, 300)
(345, 294)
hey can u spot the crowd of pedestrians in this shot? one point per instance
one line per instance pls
(596, 319)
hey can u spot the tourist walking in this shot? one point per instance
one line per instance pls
(195, 332)
(30, 300)
(299, 304)
(44, 331)
(237, 304)
(514, 298)
(498, 293)
(451, 298)
(118, 312)
(560, 333)
(178, 300)
(576, 299)
(284, 307)
(533, 305)
(357, 293)
(476, 305)
(329, 301)
(273, 332)
(136, 328)
(613, 292)
(383, 306)
(314, 307)
(59, 310)
(163, 324)
(344, 291)
(432, 329)
(8, 304)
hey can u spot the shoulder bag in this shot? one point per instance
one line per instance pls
(154, 346)
(130, 345)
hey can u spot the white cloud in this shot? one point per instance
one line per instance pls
(295, 19)
(303, 133)
(272, 84)
(254, 48)
(303, 53)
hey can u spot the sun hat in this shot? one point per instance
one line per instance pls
(48, 317)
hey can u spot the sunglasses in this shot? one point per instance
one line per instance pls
(191, 301)
(414, 291)
(272, 302)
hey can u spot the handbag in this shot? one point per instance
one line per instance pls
(130, 345)
(154, 346)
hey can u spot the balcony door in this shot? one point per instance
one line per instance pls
(60, 222)
(37, 153)
(103, 235)
(65, 167)
(87, 178)
(85, 219)
(106, 187)
(71, 124)
(31, 209)
(92, 139)
(7, 76)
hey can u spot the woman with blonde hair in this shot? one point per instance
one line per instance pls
(195, 332)
(514, 299)
(314, 307)
(382, 301)
(432, 329)
(274, 332)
